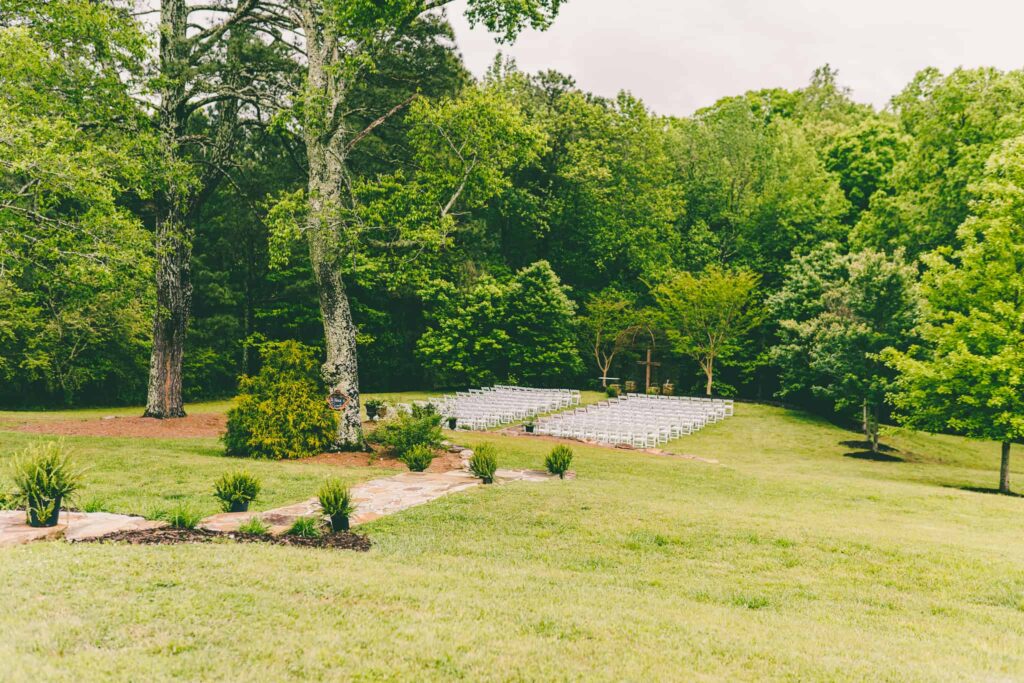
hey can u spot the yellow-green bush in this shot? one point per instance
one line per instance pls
(281, 412)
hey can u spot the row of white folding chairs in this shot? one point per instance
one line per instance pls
(726, 403)
(642, 415)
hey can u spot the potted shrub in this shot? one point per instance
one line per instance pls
(667, 389)
(630, 386)
(529, 426)
(558, 460)
(336, 502)
(44, 477)
(375, 409)
(453, 422)
(612, 391)
(236, 490)
(484, 463)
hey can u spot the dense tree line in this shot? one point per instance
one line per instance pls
(329, 172)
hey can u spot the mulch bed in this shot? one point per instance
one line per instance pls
(444, 462)
(169, 536)
(199, 425)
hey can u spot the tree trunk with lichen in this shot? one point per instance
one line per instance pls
(325, 151)
(173, 306)
(173, 241)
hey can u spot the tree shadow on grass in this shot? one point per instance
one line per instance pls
(983, 489)
(875, 457)
(864, 452)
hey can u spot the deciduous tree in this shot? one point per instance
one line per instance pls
(966, 376)
(706, 315)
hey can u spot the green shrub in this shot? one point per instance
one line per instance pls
(418, 458)
(8, 501)
(44, 478)
(183, 516)
(558, 460)
(612, 391)
(484, 462)
(254, 525)
(336, 501)
(236, 490)
(306, 527)
(404, 431)
(281, 411)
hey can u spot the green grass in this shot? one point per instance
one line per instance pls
(150, 476)
(788, 560)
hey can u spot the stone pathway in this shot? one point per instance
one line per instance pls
(73, 526)
(373, 499)
(377, 498)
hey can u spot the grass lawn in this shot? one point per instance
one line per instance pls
(790, 559)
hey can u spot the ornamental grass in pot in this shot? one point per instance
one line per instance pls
(44, 478)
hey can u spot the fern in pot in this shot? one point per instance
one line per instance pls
(44, 478)
(236, 490)
(336, 502)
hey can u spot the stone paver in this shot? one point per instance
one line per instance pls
(73, 526)
(373, 499)
(379, 497)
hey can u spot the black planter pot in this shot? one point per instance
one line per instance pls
(239, 506)
(528, 428)
(33, 513)
(371, 413)
(339, 522)
(453, 422)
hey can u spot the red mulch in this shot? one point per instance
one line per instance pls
(210, 425)
(442, 463)
(345, 540)
(198, 425)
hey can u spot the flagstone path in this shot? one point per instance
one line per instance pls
(73, 526)
(373, 499)
(377, 498)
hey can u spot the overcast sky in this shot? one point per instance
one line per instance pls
(679, 55)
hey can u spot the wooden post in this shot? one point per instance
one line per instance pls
(649, 363)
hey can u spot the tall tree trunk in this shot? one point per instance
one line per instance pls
(173, 306)
(173, 242)
(874, 430)
(1004, 469)
(325, 151)
(709, 371)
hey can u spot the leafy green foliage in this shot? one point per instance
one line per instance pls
(705, 316)
(306, 527)
(523, 330)
(837, 313)
(183, 516)
(417, 458)
(254, 525)
(336, 501)
(236, 490)
(954, 123)
(44, 477)
(405, 431)
(281, 412)
(965, 375)
(559, 460)
(611, 322)
(484, 462)
(76, 261)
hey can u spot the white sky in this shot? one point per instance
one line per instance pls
(679, 55)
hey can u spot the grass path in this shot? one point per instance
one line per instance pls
(789, 560)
